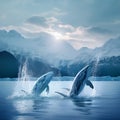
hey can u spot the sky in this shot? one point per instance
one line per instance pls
(82, 23)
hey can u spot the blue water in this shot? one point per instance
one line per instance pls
(102, 103)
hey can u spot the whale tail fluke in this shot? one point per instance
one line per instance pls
(61, 94)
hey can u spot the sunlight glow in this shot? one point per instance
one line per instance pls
(57, 35)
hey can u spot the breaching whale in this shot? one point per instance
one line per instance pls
(41, 84)
(78, 83)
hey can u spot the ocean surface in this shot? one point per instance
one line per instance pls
(102, 103)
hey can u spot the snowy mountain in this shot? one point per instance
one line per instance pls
(50, 49)
(111, 48)
(47, 53)
(45, 46)
(104, 60)
(85, 54)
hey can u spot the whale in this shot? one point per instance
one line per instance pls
(79, 82)
(41, 84)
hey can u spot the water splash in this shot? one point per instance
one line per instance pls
(23, 82)
(23, 73)
(96, 64)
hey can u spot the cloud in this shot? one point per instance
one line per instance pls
(108, 10)
(76, 13)
(90, 37)
(99, 30)
(79, 36)
(82, 23)
(42, 21)
(51, 25)
(77, 43)
(56, 12)
(90, 12)
(37, 20)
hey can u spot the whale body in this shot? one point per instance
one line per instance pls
(42, 83)
(79, 83)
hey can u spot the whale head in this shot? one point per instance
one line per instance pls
(47, 77)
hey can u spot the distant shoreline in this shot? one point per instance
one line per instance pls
(67, 78)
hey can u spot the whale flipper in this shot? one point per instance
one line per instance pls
(89, 84)
(47, 89)
(61, 94)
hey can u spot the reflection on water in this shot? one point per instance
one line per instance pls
(23, 106)
(34, 107)
(47, 107)
(103, 105)
(7, 110)
(40, 105)
(82, 104)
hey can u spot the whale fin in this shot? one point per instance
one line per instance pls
(47, 89)
(67, 89)
(89, 84)
(61, 94)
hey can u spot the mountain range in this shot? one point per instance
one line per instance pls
(45, 46)
(59, 55)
